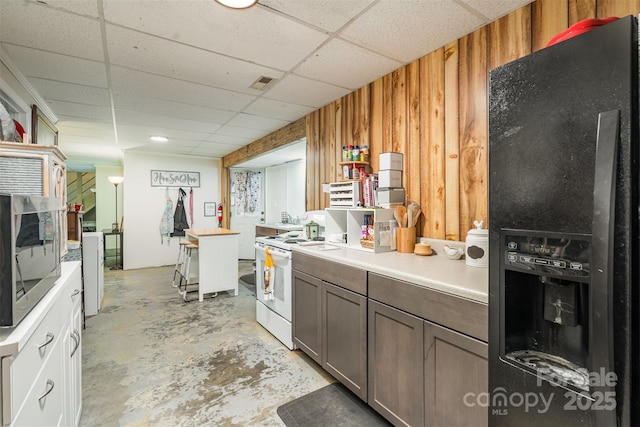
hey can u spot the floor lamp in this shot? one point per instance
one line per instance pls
(116, 180)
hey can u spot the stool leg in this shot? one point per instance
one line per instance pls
(179, 262)
(186, 274)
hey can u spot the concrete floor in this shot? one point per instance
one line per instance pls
(149, 359)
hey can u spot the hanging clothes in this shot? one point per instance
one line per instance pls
(180, 216)
(166, 222)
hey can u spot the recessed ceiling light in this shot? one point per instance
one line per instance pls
(159, 138)
(237, 4)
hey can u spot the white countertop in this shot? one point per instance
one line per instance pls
(435, 272)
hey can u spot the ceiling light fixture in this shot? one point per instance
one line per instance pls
(159, 138)
(237, 4)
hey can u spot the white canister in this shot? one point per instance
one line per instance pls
(477, 246)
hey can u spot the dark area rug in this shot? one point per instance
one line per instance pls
(249, 281)
(332, 405)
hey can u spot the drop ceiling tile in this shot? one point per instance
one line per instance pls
(69, 129)
(158, 56)
(303, 91)
(494, 9)
(159, 87)
(127, 101)
(87, 150)
(256, 122)
(212, 151)
(343, 64)
(143, 119)
(235, 141)
(144, 132)
(397, 28)
(278, 109)
(78, 7)
(330, 17)
(60, 91)
(240, 132)
(41, 27)
(257, 35)
(82, 111)
(45, 65)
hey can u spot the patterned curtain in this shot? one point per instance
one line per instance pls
(245, 193)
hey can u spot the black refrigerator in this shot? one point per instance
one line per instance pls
(564, 237)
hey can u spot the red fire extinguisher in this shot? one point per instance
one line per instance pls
(220, 216)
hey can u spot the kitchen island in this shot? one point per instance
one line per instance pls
(217, 260)
(405, 333)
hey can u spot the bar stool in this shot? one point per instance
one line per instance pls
(186, 267)
(181, 255)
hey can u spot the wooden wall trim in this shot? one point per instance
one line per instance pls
(277, 139)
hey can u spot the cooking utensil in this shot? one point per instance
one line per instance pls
(400, 214)
(413, 211)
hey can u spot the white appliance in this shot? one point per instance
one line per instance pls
(93, 264)
(274, 312)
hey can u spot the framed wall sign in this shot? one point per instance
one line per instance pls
(174, 179)
(209, 208)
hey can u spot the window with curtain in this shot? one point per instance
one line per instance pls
(245, 193)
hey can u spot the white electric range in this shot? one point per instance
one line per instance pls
(273, 310)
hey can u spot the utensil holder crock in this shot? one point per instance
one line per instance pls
(406, 239)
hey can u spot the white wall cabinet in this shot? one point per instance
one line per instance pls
(41, 358)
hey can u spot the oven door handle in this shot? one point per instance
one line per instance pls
(274, 252)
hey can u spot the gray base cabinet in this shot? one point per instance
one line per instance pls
(416, 355)
(456, 373)
(307, 315)
(396, 365)
(345, 337)
(422, 373)
(330, 319)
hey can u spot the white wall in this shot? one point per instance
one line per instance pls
(144, 206)
(285, 190)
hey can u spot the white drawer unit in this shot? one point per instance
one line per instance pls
(45, 402)
(23, 367)
(41, 358)
(346, 194)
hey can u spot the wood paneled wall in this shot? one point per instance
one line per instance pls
(434, 110)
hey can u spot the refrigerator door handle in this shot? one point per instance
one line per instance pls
(602, 246)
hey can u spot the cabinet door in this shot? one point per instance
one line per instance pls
(344, 316)
(456, 372)
(396, 365)
(76, 364)
(307, 315)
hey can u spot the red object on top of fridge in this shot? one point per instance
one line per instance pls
(579, 28)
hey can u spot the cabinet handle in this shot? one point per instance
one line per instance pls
(76, 337)
(49, 389)
(75, 292)
(50, 338)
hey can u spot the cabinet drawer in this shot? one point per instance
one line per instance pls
(23, 368)
(351, 278)
(45, 402)
(460, 314)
